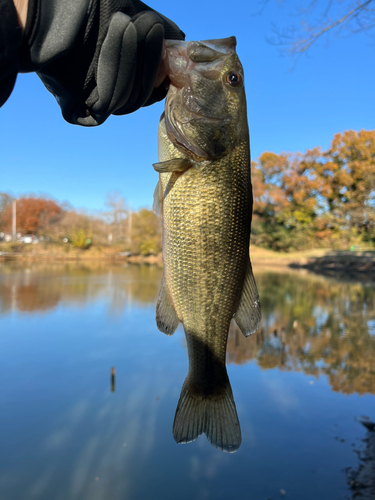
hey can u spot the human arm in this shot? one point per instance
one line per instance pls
(21, 9)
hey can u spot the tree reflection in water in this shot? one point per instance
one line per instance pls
(310, 324)
(31, 288)
(314, 325)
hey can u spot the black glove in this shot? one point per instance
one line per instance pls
(98, 57)
(10, 40)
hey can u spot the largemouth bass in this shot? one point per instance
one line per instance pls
(204, 197)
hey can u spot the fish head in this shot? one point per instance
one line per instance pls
(205, 109)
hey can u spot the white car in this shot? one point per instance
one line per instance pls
(29, 238)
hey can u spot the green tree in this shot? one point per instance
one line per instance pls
(146, 233)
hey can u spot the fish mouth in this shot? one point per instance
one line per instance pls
(183, 110)
(182, 57)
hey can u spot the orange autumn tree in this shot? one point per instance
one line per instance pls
(34, 215)
(348, 169)
(319, 198)
(286, 201)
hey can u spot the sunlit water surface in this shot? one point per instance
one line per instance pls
(300, 385)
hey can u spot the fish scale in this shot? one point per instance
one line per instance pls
(205, 256)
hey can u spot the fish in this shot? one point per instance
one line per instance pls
(204, 199)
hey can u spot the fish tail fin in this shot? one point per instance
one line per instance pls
(215, 415)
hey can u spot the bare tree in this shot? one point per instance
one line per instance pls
(320, 18)
(5, 200)
(117, 214)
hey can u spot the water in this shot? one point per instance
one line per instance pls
(300, 385)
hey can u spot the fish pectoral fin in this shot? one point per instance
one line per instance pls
(248, 314)
(166, 317)
(175, 165)
(157, 206)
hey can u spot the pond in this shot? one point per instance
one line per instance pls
(69, 430)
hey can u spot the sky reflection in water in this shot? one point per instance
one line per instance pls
(299, 384)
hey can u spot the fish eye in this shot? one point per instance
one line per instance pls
(234, 79)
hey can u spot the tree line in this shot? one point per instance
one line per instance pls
(138, 232)
(320, 198)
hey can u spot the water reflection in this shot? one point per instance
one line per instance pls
(62, 427)
(316, 326)
(44, 287)
(310, 324)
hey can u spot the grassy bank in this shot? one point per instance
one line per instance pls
(358, 264)
(324, 261)
(66, 252)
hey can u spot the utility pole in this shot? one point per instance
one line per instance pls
(14, 217)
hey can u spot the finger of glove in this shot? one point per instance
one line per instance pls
(150, 35)
(116, 66)
(136, 7)
(157, 95)
(171, 30)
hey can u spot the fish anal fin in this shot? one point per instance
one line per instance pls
(166, 317)
(248, 314)
(174, 165)
(214, 416)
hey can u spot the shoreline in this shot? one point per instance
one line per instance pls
(361, 480)
(334, 263)
(46, 257)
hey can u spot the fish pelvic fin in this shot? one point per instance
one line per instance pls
(248, 314)
(174, 165)
(216, 416)
(157, 206)
(166, 317)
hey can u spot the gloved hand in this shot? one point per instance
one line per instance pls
(98, 57)
(10, 41)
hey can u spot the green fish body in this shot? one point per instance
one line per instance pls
(204, 196)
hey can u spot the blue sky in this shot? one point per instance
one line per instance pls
(330, 90)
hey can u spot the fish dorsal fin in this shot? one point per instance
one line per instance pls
(175, 165)
(248, 314)
(166, 317)
(157, 206)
